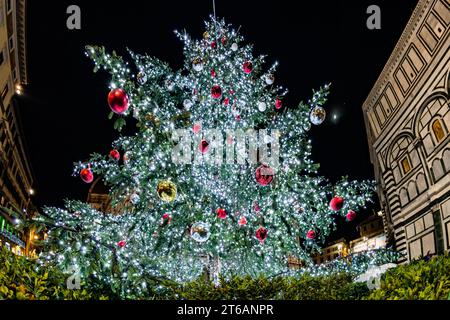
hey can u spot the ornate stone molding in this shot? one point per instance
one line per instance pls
(397, 53)
(21, 39)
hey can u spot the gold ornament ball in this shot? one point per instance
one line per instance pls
(167, 191)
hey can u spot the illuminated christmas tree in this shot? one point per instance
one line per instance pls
(217, 176)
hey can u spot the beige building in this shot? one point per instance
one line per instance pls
(407, 118)
(336, 249)
(371, 233)
(16, 179)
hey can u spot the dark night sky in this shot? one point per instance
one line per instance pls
(64, 108)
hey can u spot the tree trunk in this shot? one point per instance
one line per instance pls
(211, 269)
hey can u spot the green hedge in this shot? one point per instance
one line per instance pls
(21, 279)
(337, 287)
(419, 280)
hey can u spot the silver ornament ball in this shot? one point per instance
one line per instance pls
(200, 232)
(262, 106)
(187, 104)
(141, 78)
(197, 64)
(270, 79)
(134, 198)
(317, 115)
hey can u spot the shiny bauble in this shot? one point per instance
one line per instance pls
(278, 104)
(270, 79)
(134, 198)
(187, 104)
(311, 235)
(336, 203)
(114, 154)
(170, 85)
(141, 78)
(264, 175)
(247, 67)
(242, 221)
(126, 157)
(221, 213)
(200, 232)
(317, 115)
(261, 234)
(262, 106)
(166, 190)
(350, 216)
(197, 64)
(216, 92)
(234, 46)
(203, 147)
(118, 101)
(86, 175)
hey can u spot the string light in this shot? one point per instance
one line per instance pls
(138, 242)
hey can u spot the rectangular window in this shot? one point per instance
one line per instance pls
(14, 75)
(2, 58)
(438, 130)
(8, 6)
(11, 43)
(405, 165)
(5, 92)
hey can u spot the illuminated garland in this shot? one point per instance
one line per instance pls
(176, 219)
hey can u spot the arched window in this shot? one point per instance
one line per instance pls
(403, 197)
(438, 131)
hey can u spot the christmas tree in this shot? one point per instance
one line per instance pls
(217, 176)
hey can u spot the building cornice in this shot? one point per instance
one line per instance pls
(397, 53)
(21, 39)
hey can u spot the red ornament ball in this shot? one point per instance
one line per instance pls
(121, 243)
(118, 101)
(115, 155)
(247, 67)
(311, 234)
(242, 221)
(203, 147)
(261, 234)
(216, 92)
(278, 104)
(226, 101)
(213, 44)
(166, 217)
(196, 128)
(224, 40)
(221, 213)
(213, 73)
(351, 215)
(264, 175)
(86, 175)
(336, 203)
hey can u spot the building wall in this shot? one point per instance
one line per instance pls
(333, 251)
(16, 179)
(407, 120)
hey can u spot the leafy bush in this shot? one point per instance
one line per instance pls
(20, 279)
(419, 280)
(338, 287)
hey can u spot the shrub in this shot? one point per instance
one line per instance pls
(419, 280)
(337, 287)
(20, 279)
